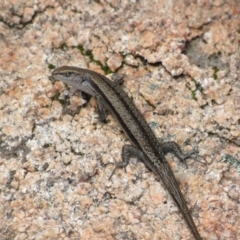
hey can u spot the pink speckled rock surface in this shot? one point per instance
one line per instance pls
(181, 67)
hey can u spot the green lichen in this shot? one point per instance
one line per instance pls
(63, 46)
(46, 145)
(215, 71)
(56, 98)
(89, 54)
(51, 66)
(198, 87)
(232, 161)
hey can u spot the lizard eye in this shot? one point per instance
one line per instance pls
(68, 74)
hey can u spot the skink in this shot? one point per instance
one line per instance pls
(111, 96)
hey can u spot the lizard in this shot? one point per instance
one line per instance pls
(146, 147)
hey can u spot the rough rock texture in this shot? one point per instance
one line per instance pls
(181, 62)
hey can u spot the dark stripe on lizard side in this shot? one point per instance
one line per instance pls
(130, 109)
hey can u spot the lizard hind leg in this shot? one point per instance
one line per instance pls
(128, 151)
(173, 147)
